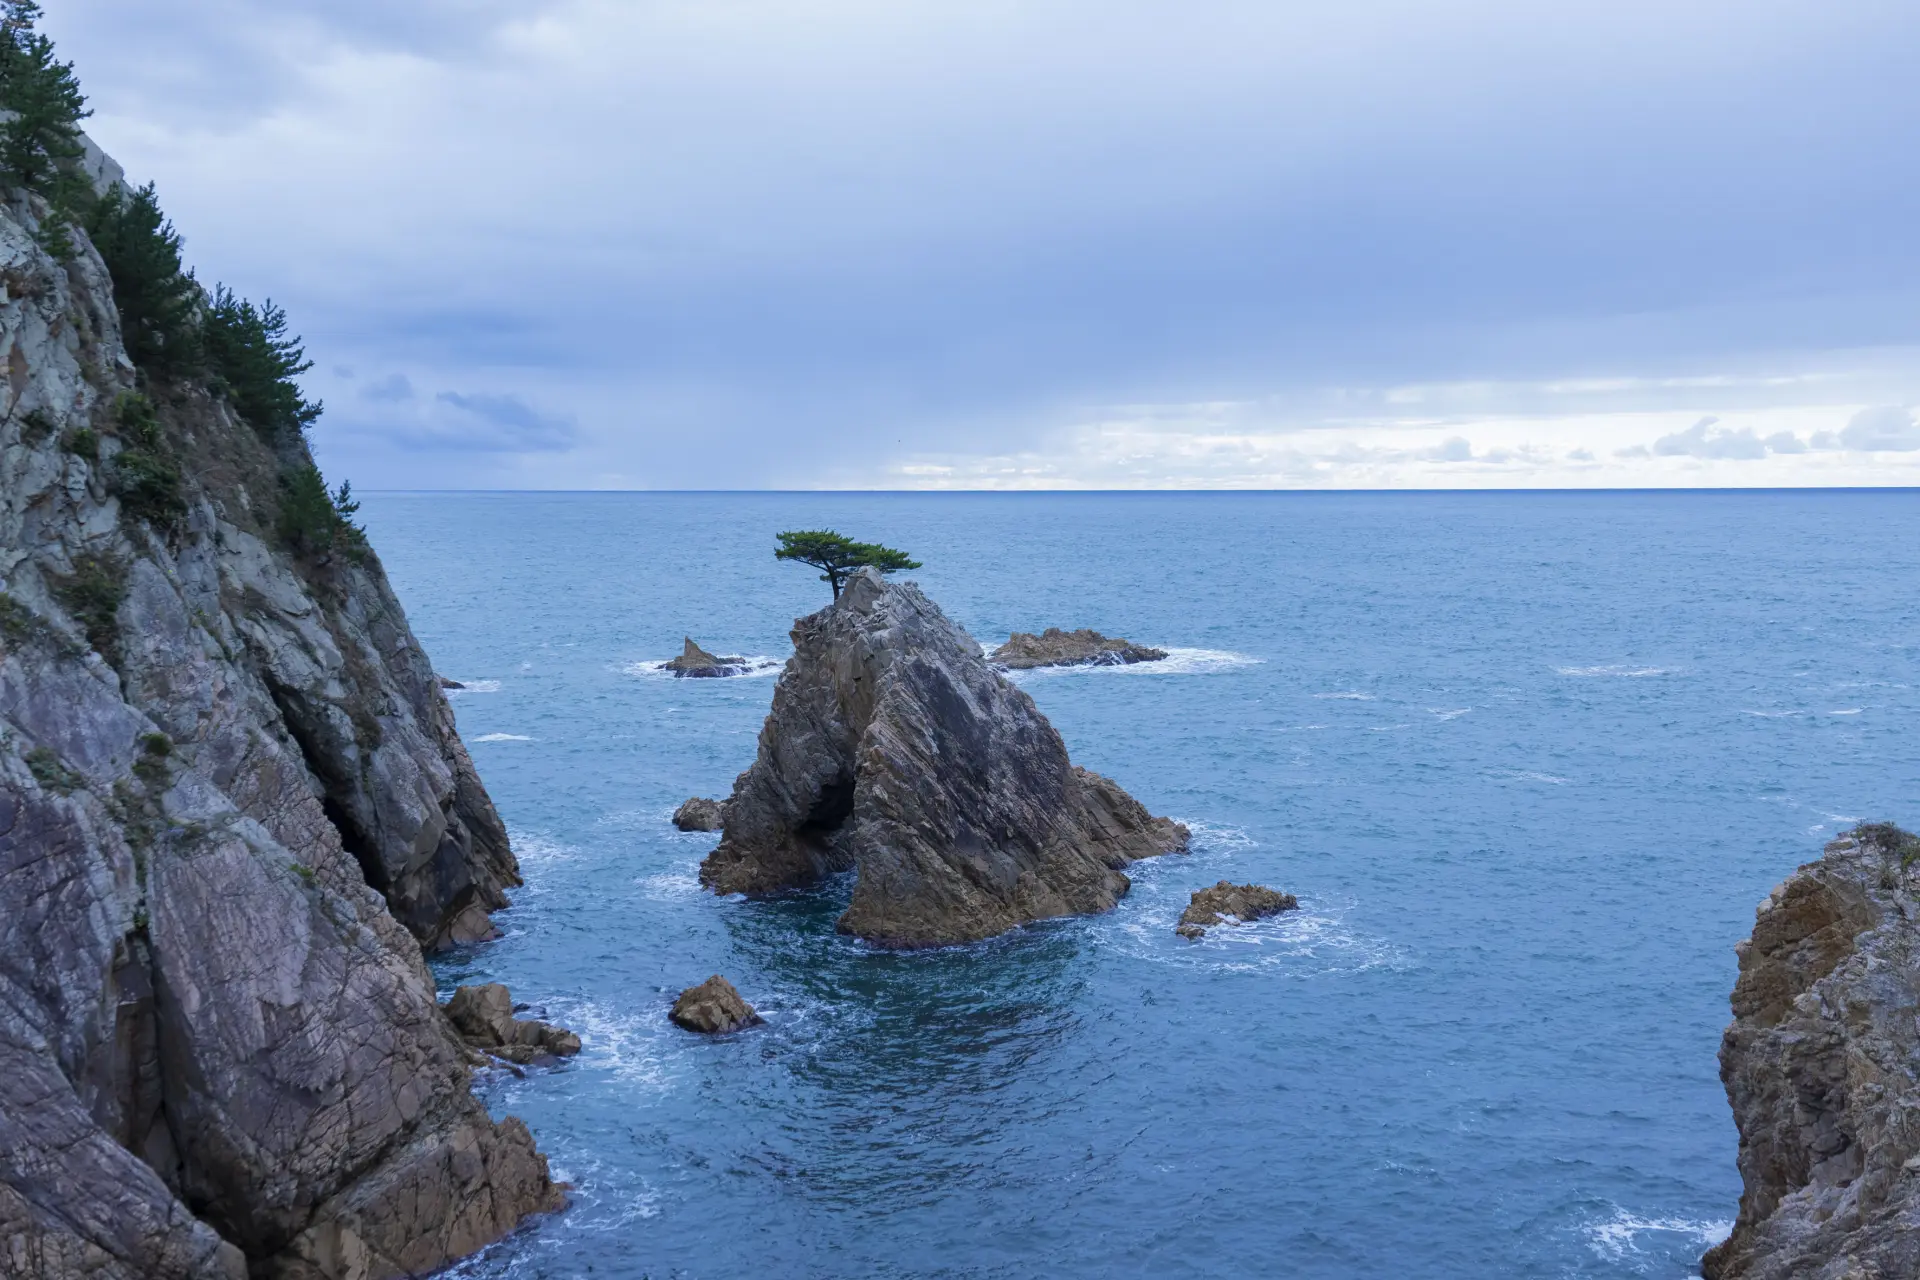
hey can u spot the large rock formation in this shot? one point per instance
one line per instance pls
(712, 1008)
(1822, 1067)
(1083, 648)
(700, 814)
(483, 1015)
(893, 747)
(1229, 903)
(233, 808)
(695, 661)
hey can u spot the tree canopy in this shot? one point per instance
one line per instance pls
(42, 139)
(838, 557)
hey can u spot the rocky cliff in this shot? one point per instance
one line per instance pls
(1822, 1068)
(893, 748)
(233, 810)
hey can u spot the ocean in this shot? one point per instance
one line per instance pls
(1529, 760)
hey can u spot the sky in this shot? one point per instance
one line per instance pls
(1054, 243)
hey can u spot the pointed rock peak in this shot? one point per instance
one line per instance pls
(694, 653)
(895, 750)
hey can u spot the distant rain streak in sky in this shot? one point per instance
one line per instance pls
(1372, 243)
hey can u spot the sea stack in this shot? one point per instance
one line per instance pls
(1229, 903)
(697, 662)
(895, 750)
(1083, 648)
(1820, 1068)
(234, 811)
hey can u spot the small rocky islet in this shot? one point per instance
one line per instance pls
(1053, 647)
(696, 663)
(1229, 903)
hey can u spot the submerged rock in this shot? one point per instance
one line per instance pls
(483, 1016)
(1228, 903)
(233, 811)
(1056, 648)
(700, 814)
(894, 749)
(712, 1008)
(695, 661)
(446, 683)
(1819, 1067)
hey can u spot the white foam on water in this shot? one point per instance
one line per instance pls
(1348, 697)
(474, 686)
(1615, 669)
(1446, 714)
(1529, 775)
(1214, 837)
(757, 665)
(1178, 662)
(1850, 711)
(1386, 728)
(503, 737)
(1619, 1237)
(1770, 715)
(625, 1044)
(673, 886)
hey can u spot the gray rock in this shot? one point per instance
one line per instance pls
(893, 748)
(1229, 903)
(701, 814)
(483, 1016)
(697, 662)
(1819, 1067)
(233, 809)
(712, 1008)
(1056, 648)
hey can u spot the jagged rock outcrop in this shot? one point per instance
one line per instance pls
(893, 748)
(1822, 1068)
(1056, 648)
(233, 808)
(1229, 903)
(712, 1008)
(700, 814)
(483, 1015)
(697, 662)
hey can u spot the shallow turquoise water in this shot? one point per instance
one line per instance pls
(1528, 760)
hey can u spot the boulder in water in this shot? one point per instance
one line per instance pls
(1229, 903)
(894, 749)
(712, 1008)
(700, 814)
(1818, 1065)
(483, 1016)
(695, 661)
(1083, 648)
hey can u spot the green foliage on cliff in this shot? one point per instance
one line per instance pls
(92, 594)
(255, 362)
(157, 297)
(42, 139)
(838, 557)
(146, 478)
(314, 522)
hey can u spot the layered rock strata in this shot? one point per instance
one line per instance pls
(700, 814)
(697, 662)
(233, 809)
(712, 1008)
(1056, 648)
(1822, 1067)
(1229, 903)
(894, 749)
(483, 1015)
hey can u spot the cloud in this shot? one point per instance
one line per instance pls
(1785, 442)
(1698, 442)
(1579, 455)
(1633, 451)
(456, 422)
(1887, 427)
(396, 387)
(1452, 449)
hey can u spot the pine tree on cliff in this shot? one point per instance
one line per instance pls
(157, 296)
(42, 140)
(839, 557)
(248, 349)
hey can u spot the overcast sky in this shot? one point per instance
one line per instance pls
(1056, 243)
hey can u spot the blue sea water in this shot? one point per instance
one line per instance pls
(1528, 760)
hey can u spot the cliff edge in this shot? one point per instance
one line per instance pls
(893, 748)
(233, 810)
(1822, 1068)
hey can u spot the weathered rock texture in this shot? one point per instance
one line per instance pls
(1229, 903)
(701, 814)
(1822, 1068)
(893, 748)
(232, 809)
(712, 1008)
(483, 1016)
(1083, 648)
(695, 661)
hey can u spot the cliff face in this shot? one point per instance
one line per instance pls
(233, 809)
(1822, 1068)
(892, 747)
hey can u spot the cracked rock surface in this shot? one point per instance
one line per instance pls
(895, 750)
(233, 810)
(1822, 1068)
